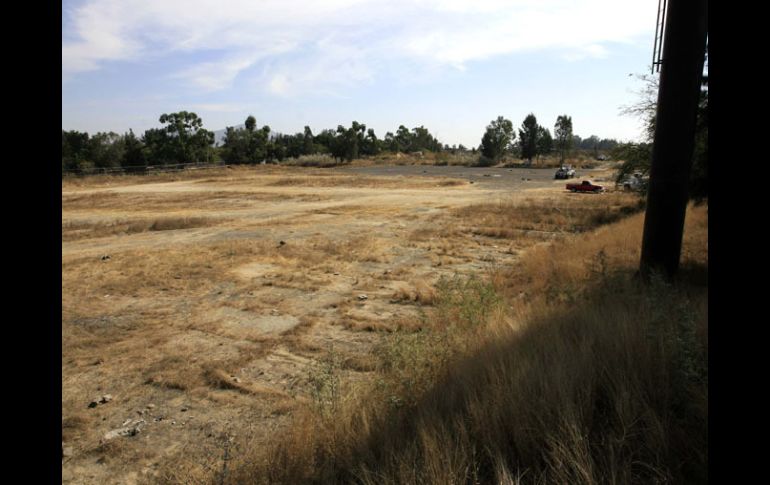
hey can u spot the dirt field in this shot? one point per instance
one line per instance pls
(196, 308)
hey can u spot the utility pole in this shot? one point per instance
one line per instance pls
(684, 49)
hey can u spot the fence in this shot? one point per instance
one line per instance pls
(149, 170)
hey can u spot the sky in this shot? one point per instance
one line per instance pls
(452, 66)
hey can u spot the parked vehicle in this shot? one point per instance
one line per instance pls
(585, 186)
(636, 182)
(564, 172)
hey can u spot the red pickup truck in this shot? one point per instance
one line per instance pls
(585, 186)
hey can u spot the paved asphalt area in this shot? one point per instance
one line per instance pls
(487, 177)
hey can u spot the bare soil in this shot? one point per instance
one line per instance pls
(203, 305)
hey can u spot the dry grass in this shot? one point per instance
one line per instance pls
(589, 379)
(513, 219)
(319, 160)
(175, 317)
(100, 180)
(420, 292)
(220, 379)
(75, 230)
(360, 181)
(202, 200)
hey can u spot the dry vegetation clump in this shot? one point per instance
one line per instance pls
(510, 219)
(359, 323)
(444, 229)
(319, 160)
(164, 202)
(220, 379)
(132, 179)
(319, 179)
(420, 292)
(73, 425)
(442, 158)
(608, 385)
(363, 248)
(313, 180)
(389, 158)
(74, 230)
(219, 175)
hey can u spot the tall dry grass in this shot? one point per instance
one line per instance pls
(563, 370)
(509, 219)
(74, 230)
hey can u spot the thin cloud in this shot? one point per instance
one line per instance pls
(315, 46)
(218, 107)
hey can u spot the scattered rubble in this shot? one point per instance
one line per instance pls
(134, 428)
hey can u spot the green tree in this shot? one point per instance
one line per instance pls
(636, 159)
(259, 145)
(421, 139)
(157, 147)
(74, 150)
(417, 139)
(235, 146)
(348, 141)
(182, 140)
(497, 139)
(389, 142)
(133, 159)
(251, 123)
(325, 141)
(544, 141)
(293, 145)
(336, 143)
(563, 133)
(106, 150)
(308, 147)
(276, 151)
(245, 145)
(371, 145)
(591, 144)
(528, 137)
(403, 139)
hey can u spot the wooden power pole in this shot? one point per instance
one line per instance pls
(684, 49)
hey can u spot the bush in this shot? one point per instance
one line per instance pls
(485, 161)
(318, 160)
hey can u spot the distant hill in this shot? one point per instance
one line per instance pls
(219, 135)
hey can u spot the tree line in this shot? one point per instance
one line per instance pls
(182, 139)
(251, 145)
(534, 140)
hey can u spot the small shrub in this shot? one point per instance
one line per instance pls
(324, 380)
(317, 160)
(484, 161)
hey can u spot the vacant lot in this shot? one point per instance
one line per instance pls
(198, 309)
